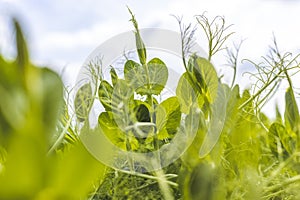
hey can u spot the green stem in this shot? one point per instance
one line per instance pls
(210, 49)
(234, 76)
(166, 190)
(155, 138)
(61, 136)
(130, 160)
(260, 91)
(162, 178)
(288, 79)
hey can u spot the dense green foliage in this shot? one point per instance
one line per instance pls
(237, 152)
(35, 162)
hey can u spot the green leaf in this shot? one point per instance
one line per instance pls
(232, 107)
(127, 111)
(83, 102)
(33, 105)
(122, 104)
(114, 133)
(248, 108)
(9, 74)
(22, 50)
(216, 123)
(157, 77)
(273, 138)
(73, 174)
(111, 130)
(146, 79)
(185, 93)
(13, 111)
(206, 77)
(278, 115)
(114, 76)
(105, 94)
(280, 138)
(52, 98)
(195, 75)
(168, 117)
(131, 70)
(291, 114)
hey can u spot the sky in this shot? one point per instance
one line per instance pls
(62, 33)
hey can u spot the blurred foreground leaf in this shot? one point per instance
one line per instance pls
(30, 103)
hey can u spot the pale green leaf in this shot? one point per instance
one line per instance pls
(22, 50)
(52, 98)
(216, 123)
(105, 94)
(185, 93)
(291, 114)
(122, 100)
(111, 130)
(83, 102)
(232, 107)
(131, 70)
(147, 79)
(279, 139)
(114, 76)
(168, 117)
(206, 77)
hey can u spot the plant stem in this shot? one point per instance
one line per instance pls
(148, 177)
(260, 91)
(166, 190)
(61, 137)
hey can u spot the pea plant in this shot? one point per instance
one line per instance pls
(225, 146)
